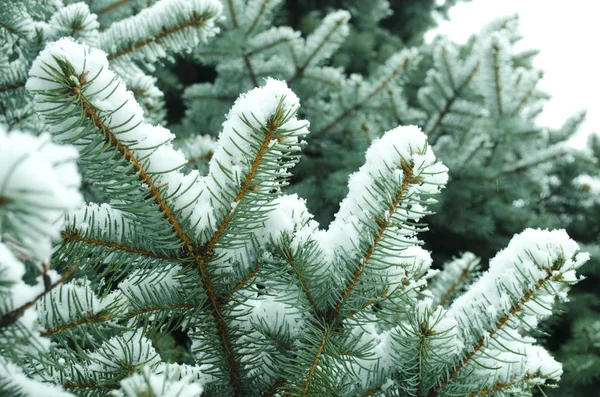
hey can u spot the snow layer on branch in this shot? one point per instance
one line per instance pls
(169, 26)
(237, 148)
(524, 278)
(111, 356)
(379, 343)
(39, 182)
(383, 164)
(527, 361)
(290, 216)
(119, 112)
(13, 379)
(101, 220)
(257, 106)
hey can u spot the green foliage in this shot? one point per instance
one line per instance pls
(189, 267)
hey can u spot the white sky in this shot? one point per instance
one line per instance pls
(568, 35)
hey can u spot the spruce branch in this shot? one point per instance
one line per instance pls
(497, 82)
(512, 311)
(454, 278)
(244, 281)
(522, 282)
(11, 87)
(14, 315)
(75, 236)
(261, 11)
(315, 363)
(290, 258)
(74, 91)
(111, 139)
(383, 225)
(248, 64)
(164, 26)
(111, 7)
(397, 63)
(193, 22)
(247, 184)
(449, 102)
(87, 319)
(323, 41)
(502, 385)
(232, 13)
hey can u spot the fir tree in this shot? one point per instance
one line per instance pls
(190, 270)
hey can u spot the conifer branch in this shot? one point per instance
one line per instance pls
(111, 7)
(20, 84)
(360, 103)
(275, 387)
(315, 364)
(112, 140)
(490, 334)
(16, 121)
(250, 70)
(383, 225)
(246, 185)
(232, 12)
(208, 250)
(196, 20)
(523, 101)
(267, 47)
(449, 102)
(454, 285)
(205, 157)
(259, 15)
(46, 277)
(448, 69)
(292, 262)
(188, 244)
(495, 50)
(14, 315)
(138, 312)
(372, 391)
(394, 107)
(456, 281)
(243, 282)
(222, 329)
(73, 385)
(500, 386)
(87, 319)
(301, 68)
(425, 333)
(371, 302)
(75, 236)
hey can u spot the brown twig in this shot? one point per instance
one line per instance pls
(75, 236)
(111, 7)
(14, 315)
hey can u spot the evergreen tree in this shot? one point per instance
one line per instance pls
(183, 267)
